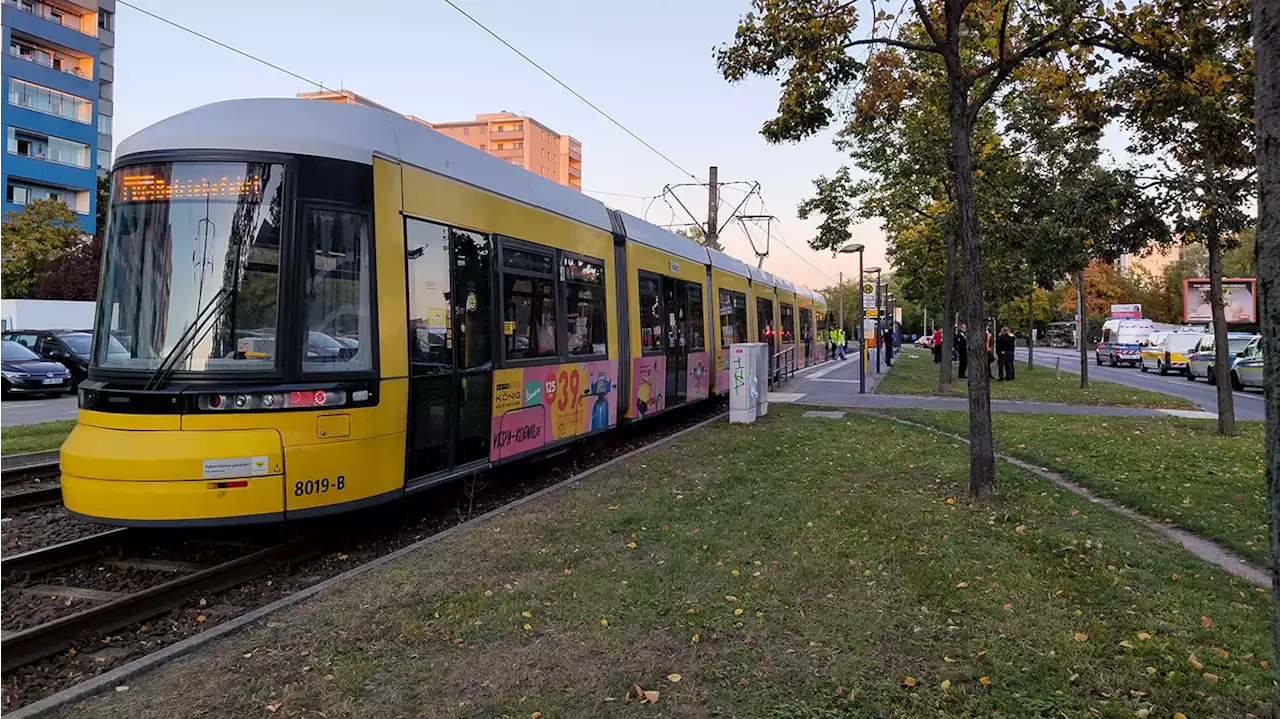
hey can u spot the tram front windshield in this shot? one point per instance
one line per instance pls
(191, 268)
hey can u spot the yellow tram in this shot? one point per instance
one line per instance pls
(307, 308)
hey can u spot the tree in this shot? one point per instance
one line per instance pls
(1186, 91)
(73, 275)
(1266, 38)
(972, 49)
(699, 235)
(104, 204)
(33, 239)
(1103, 287)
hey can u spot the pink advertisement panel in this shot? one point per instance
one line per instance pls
(534, 406)
(648, 385)
(698, 384)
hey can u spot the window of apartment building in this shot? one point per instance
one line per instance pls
(466, 131)
(52, 102)
(104, 91)
(106, 20)
(104, 159)
(22, 194)
(519, 145)
(520, 127)
(498, 145)
(53, 149)
(104, 124)
(482, 146)
(108, 56)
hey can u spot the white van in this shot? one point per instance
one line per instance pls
(1120, 341)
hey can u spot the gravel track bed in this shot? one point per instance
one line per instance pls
(359, 537)
(41, 527)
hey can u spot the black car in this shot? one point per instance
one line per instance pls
(27, 372)
(69, 347)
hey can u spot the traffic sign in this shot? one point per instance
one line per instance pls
(873, 312)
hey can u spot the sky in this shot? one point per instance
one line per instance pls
(648, 65)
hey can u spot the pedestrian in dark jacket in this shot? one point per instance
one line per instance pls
(961, 342)
(1005, 344)
(888, 346)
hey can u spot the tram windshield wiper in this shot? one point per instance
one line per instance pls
(194, 333)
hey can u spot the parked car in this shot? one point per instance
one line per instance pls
(1247, 371)
(1167, 351)
(25, 371)
(71, 348)
(1200, 362)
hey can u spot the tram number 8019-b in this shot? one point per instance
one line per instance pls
(319, 486)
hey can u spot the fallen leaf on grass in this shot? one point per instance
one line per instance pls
(122, 688)
(535, 715)
(1179, 715)
(737, 612)
(673, 678)
(1144, 635)
(1020, 528)
(631, 545)
(950, 500)
(908, 681)
(1126, 644)
(1007, 607)
(645, 696)
(1210, 677)
(527, 627)
(946, 685)
(984, 681)
(694, 639)
(730, 598)
(1220, 652)
(1081, 636)
(604, 622)
(733, 572)
(274, 706)
(1195, 663)
(1206, 622)
(962, 585)
(526, 614)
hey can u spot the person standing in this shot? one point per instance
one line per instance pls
(1005, 344)
(808, 345)
(961, 343)
(888, 346)
(991, 354)
(937, 346)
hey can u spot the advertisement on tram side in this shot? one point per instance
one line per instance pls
(535, 406)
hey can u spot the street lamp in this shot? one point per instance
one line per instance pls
(878, 303)
(862, 366)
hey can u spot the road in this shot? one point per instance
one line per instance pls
(1248, 404)
(32, 410)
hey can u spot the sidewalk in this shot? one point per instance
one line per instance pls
(908, 401)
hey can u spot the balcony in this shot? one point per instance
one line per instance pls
(575, 170)
(506, 135)
(22, 48)
(72, 19)
(575, 153)
(506, 153)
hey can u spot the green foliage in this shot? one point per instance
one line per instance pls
(833, 200)
(1013, 313)
(104, 204)
(33, 239)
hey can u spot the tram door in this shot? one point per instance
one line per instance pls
(765, 331)
(450, 355)
(676, 305)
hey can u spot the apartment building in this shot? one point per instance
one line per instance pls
(1153, 263)
(58, 76)
(517, 139)
(522, 141)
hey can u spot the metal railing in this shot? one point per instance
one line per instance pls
(52, 13)
(782, 365)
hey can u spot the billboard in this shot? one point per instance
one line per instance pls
(1239, 299)
(1126, 312)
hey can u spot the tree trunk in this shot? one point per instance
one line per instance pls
(1266, 43)
(1226, 400)
(1083, 327)
(982, 461)
(1031, 329)
(948, 315)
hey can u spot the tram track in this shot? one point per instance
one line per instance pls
(29, 486)
(45, 657)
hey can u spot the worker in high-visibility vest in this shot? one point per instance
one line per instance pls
(840, 349)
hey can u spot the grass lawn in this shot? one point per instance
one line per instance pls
(795, 568)
(34, 437)
(919, 375)
(1166, 468)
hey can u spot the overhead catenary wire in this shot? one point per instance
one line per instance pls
(572, 91)
(224, 45)
(649, 198)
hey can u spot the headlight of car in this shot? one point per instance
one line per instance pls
(13, 375)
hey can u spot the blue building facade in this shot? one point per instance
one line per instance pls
(57, 111)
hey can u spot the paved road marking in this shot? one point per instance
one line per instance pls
(785, 397)
(844, 381)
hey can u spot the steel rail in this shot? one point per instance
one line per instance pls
(28, 645)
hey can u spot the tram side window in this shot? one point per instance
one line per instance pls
(733, 318)
(337, 302)
(650, 314)
(585, 306)
(788, 323)
(529, 311)
(697, 321)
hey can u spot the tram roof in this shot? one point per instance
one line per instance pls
(358, 134)
(732, 265)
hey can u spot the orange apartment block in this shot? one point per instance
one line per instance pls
(522, 141)
(519, 140)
